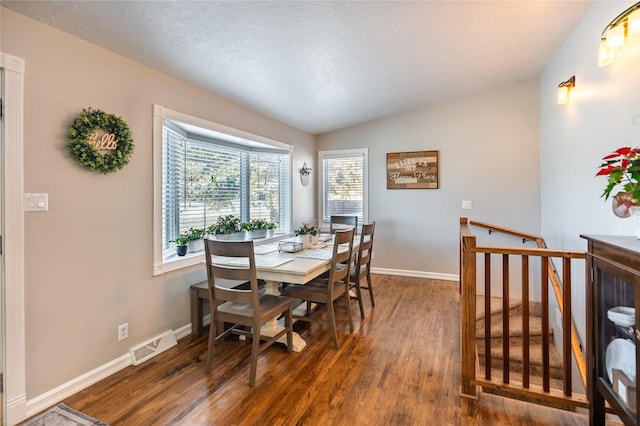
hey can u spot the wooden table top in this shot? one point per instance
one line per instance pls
(296, 268)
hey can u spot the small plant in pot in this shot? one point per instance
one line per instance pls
(258, 228)
(227, 227)
(308, 234)
(195, 237)
(181, 245)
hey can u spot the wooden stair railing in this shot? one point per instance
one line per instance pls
(567, 320)
(468, 268)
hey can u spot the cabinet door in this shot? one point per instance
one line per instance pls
(616, 357)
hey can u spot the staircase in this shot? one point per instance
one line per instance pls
(516, 341)
(549, 378)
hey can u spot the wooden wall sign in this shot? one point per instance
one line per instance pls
(412, 170)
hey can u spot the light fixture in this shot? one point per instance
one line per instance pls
(623, 31)
(564, 88)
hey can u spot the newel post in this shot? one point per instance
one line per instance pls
(468, 317)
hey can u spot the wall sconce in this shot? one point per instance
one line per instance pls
(305, 172)
(624, 30)
(564, 88)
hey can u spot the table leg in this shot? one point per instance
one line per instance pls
(273, 326)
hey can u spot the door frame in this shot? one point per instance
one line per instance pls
(12, 226)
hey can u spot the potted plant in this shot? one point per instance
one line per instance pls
(258, 228)
(181, 245)
(622, 168)
(227, 227)
(308, 235)
(195, 237)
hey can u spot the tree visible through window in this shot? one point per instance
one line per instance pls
(344, 184)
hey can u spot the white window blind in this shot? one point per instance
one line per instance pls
(205, 178)
(343, 184)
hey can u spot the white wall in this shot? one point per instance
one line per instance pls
(488, 147)
(575, 137)
(89, 259)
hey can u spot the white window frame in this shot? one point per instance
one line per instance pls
(160, 113)
(344, 153)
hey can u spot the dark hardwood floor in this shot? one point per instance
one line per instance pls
(401, 366)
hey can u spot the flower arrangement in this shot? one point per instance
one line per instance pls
(228, 224)
(622, 167)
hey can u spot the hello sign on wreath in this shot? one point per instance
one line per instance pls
(99, 141)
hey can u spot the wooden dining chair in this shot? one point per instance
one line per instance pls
(342, 222)
(247, 310)
(325, 290)
(362, 268)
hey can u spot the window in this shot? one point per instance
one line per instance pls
(205, 170)
(343, 184)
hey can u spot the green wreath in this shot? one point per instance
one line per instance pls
(83, 150)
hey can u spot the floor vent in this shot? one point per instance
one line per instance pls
(153, 347)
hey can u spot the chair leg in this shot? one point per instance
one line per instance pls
(332, 320)
(359, 293)
(370, 287)
(255, 349)
(212, 342)
(347, 299)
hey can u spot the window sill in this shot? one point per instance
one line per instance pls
(175, 262)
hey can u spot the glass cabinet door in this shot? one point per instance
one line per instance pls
(616, 354)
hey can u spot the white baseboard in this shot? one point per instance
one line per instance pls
(54, 396)
(16, 410)
(416, 274)
(183, 331)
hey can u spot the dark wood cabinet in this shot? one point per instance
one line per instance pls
(613, 293)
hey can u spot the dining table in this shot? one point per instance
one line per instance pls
(277, 263)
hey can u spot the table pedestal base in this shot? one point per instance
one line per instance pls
(272, 328)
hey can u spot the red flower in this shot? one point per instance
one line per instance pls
(624, 150)
(604, 171)
(622, 167)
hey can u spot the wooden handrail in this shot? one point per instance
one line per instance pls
(544, 252)
(504, 230)
(576, 347)
(467, 276)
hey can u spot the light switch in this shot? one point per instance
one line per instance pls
(36, 202)
(467, 204)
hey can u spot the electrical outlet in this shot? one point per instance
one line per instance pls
(558, 319)
(467, 204)
(123, 331)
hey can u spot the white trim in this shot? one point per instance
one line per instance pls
(13, 234)
(183, 331)
(224, 131)
(416, 274)
(73, 386)
(47, 399)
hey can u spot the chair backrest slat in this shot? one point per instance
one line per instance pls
(342, 222)
(223, 280)
(366, 246)
(341, 259)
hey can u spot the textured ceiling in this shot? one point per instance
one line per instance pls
(320, 66)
